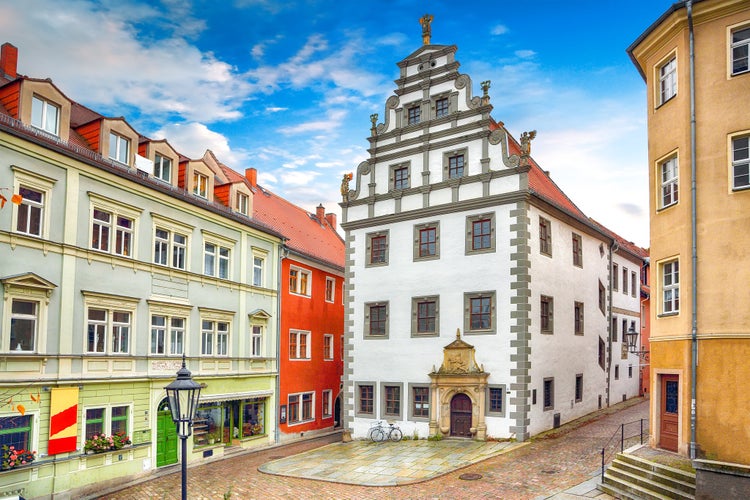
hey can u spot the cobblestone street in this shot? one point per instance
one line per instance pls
(548, 465)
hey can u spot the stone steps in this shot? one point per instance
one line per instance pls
(633, 477)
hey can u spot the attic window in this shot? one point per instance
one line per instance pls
(119, 148)
(45, 115)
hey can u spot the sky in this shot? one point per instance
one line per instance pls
(287, 87)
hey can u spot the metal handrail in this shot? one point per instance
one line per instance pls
(620, 433)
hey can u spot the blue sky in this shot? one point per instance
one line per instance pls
(288, 87)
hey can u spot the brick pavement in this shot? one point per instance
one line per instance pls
(549, 464)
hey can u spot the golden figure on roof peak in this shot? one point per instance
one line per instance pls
(426, 29)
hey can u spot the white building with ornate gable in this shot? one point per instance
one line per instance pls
(478, 299)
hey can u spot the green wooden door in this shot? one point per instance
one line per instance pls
(166, 439)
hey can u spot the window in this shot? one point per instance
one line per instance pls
(617, 372)
(615, 277)
(455, 166)
(299, 281)
(16, 431)
(578, 318)
(427, 241)
(602, 297)
(401, 178)
(391, 404)
(630, 371)
(256, 341)
(577, 250)
(215, 260)
(327, 403)
(200, 185)
(633, 284)
(30, 212)
(377, 249)
(481, 229)
(299, 344)
(413, 114)
(546, 307)
(328, 347)
(420, 402)
(671, 287)
(214, 338)
(669, 182)
(45, 115)
(579, 387)
(365, 399)
(162, 168)
(624, 330)
(624, 280)
(496, 400)
(330, 289)
(740, 162)
(441, 107)
(242, 204)
(549, 393)
(614, 329)
(107, 420)
(258, 271)
(740, 46)
(168, 242)
(301, 407)
(24, 321)
(253, 417)
(119, 148)
(545, 236)
(668, 80)
(479, 312)
(425, 316)
(376, 320)
(602, 353)
(167, 331)
(102, 229)
(108, 328)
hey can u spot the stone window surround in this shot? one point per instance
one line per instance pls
(415, 315)
(551, 393)
(417, 229)
(412, 402)
(503, 390)
(37, 182)
(467, 312)
(392, 175)
(357, 396)
(368, 248)
(110, 303)
(366, 330)
(388, 416)
(470, 220)
(447, 155)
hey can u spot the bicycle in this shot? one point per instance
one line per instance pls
(379, 432)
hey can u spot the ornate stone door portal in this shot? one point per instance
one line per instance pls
(458, 392)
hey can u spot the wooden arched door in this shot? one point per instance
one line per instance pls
(461, 415)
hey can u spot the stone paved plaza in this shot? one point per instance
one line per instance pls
(545, 467)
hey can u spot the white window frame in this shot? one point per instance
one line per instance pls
(37, 293)
(739, 44)
(328, 347)
(110, 304)
(667, 74)
(298, 355)
(200, 184)
(298, 287)
(170, 243)
(242, 203)
(169, 311)
(107, 419)
(256, 341)
(121, 153)
(326, 397)
(117, 232)
(215, 335)
(48, 122)
(40, 184)
(669, 181)
(259, 267)
(301, 396)
(671, 269)
(159, 168)
(741, 162)
(330, 289)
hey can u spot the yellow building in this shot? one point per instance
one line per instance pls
(694, 60)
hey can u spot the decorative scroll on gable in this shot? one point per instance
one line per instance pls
(459, 358)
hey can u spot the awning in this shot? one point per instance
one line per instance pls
(234, 396)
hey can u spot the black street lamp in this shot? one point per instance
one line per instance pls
(631, 336)
(183, 394)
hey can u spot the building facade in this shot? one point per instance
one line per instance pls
(312, 319)
(694, 60)
(121, 258)
(478, 299)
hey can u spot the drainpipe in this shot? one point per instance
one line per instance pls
(693, 227)
(613, 248)
(283, 252)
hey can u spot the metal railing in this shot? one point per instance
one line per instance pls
(627, 432)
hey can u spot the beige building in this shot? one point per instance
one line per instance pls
(694, 60)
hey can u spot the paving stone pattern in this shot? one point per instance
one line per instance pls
(546, 466)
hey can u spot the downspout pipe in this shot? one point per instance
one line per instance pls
(283, 252)
(613, 248)
(693, 226)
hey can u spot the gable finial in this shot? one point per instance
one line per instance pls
(458, 334)
(426, 29)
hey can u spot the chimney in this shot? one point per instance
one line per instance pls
(320, 212)
(331, 218)
(9, 60)
(252, 175)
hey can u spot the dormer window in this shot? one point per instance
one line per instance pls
(119, 148)
(163, 168)
(45, 115)
(200, 185)
(243, 202)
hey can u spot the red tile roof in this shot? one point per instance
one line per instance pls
(307, 235)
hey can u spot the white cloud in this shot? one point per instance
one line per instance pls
(525, 54)
(193, 139)
(333, 121)
(499, 29)
(275, 109)
(298, 177)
